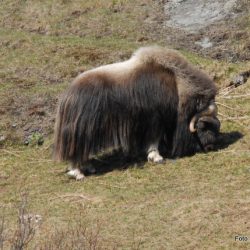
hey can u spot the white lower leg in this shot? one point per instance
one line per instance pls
(153, 154)
(76, 174)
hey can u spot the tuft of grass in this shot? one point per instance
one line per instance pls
(76, 235)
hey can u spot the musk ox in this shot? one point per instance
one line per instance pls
(132, 105)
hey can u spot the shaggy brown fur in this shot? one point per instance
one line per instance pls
(131, 105)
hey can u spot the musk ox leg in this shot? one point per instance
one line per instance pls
(153, 153)
(76, 174)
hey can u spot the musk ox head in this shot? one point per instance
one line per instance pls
(207, 129)
(203, 129)
(206, 126)
(210, 111)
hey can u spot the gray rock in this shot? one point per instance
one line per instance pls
(193, 15)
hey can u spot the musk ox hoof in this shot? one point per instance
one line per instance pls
(154, 156)
(76, 174)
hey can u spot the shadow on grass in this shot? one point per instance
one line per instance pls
(226, 139)
(117, 160)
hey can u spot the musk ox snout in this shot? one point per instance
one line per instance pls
(208, 128)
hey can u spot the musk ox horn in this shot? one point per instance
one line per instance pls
(192, 124)
(210, 111)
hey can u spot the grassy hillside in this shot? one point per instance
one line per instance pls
(199, 202)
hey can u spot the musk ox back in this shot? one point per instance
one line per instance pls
(132, 105)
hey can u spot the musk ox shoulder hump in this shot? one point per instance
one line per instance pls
(167, 58)
(116, 71)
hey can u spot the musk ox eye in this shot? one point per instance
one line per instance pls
(200, 125)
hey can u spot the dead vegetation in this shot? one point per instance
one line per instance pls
(76, 235)
(233, 113)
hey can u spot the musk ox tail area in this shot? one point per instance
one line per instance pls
(98, 112)
(84, 125)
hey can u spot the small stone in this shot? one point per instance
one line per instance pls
(142, 39)
(2, 138)
(36, 218)
(40, 141)
(205, 43)
(26, 142)
(240, 79)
